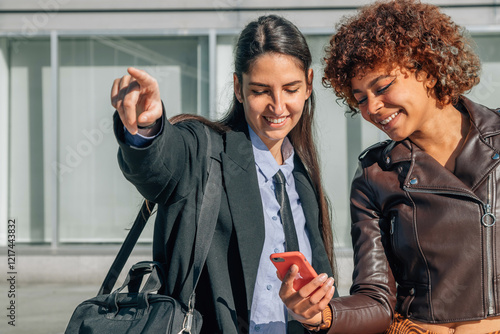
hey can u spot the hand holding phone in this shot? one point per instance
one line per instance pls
(283, 262)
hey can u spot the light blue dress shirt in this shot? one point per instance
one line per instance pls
(268, 313)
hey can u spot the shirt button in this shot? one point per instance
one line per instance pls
(257, 328)
(276, 250)
(275, 218)
(272, 187)
(269, 287)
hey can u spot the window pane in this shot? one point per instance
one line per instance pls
(488, 90)
(30, 101)
(224, 76)
(333, 129)
(96, 202)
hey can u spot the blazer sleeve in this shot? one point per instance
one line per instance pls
(178, 152)
(370, 306)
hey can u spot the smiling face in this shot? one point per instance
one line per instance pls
(397, 102)
(273, 94)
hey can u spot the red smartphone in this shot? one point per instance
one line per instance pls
(283, 261)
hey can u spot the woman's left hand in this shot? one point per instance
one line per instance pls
(306, 304)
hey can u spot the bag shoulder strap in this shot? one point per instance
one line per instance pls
(206, 224)
(126, 248)
(209, 207)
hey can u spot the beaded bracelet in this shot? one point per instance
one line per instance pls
(326, 316)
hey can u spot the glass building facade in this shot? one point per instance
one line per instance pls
(59, 175)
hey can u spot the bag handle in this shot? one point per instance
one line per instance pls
(136, 276)
(204, 232)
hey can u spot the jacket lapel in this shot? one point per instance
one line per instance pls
(241, 183)
(427, 174)
(310, 206)
(472, 166)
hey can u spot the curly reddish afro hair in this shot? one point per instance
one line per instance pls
(404, 33)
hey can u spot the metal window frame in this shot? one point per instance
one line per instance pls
(4, 140)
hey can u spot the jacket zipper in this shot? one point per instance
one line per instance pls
(391, 231)
(488, 220)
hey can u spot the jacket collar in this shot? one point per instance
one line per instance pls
(484, 118)
(475, 161)
(480, 153)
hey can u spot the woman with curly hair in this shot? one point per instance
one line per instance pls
(423, 203)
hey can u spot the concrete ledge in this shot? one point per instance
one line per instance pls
(89, 264)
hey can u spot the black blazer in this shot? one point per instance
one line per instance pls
(172, 172)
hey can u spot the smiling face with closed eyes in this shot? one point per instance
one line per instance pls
(397, 102)
(273, 94)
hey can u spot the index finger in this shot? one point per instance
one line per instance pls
(313, 285)
(142, 77)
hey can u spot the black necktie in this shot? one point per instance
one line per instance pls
(291, 241)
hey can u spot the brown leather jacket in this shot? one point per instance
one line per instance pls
(427, 229)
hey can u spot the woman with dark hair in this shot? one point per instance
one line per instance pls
(423, 203)
(267, 131)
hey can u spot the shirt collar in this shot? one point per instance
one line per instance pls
(265, 161)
